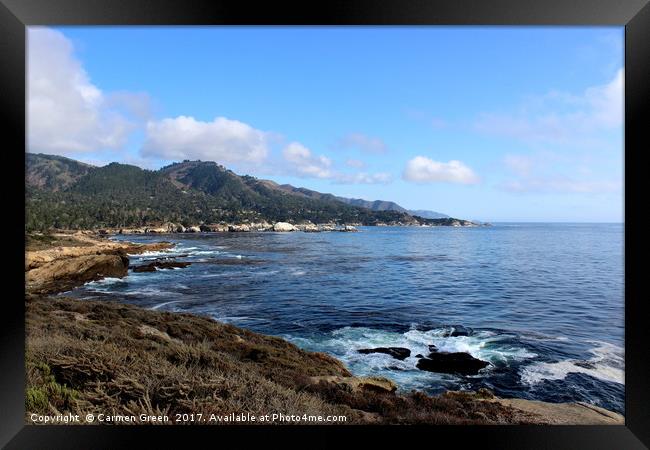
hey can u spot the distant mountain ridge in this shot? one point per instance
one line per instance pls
(376, 205)
(427, 214)
(64, 193)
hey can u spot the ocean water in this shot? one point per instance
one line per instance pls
(544, 302)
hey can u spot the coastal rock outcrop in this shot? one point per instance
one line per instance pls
(156, 230)
(396, 352)
(578, 413)
(88, 245)
(84, 257)
(357, 384)
(308, 227)
(239, 228)
(455, 363)
(283, 226)
(459, 330)
(162, 264)
(260, 226)
(214, 227)
(64, 274)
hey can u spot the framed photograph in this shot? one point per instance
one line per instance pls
(402, 220)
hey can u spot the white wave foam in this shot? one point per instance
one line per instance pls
(106, 281)
(484, 345)
(203, 252)
(607, 364)
(147, 292)
(345, 343)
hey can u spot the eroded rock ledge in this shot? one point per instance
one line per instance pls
(84, 257)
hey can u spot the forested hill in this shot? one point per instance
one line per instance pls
(63, 193)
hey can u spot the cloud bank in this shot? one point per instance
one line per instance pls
(222, 140)
(66, 112)
(301, 161)
(424, 170)
(562, 118)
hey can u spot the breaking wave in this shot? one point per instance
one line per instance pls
(607, 364)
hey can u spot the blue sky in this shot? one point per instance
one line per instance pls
(487, 123)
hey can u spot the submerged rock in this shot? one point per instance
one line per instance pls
(458, 363)
(396, 352)
(458, 330)
(155, 265)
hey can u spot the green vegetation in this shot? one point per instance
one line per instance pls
(190, 193)
(44, 392)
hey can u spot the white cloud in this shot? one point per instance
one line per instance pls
(563, 118)
(222, 140)
(364, 178)
(606, 102)
(364, 143)
(300, 161)
(304, 163)
(424, 170)
(66, 112)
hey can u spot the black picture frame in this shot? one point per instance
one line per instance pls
(15, 15)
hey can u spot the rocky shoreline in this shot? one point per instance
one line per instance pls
(89, 356)
(307, 227)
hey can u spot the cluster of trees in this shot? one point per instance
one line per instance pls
(119, 195)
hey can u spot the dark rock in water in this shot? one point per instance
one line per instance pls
(460, 331)
(396, 352)
(419, 355)
(460, 363)
(585, 364)
(432, 348)
(153, 266)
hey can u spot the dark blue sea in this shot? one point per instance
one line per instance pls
(544, 302)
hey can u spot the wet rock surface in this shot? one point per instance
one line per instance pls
(454, 363)
(396, 352)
